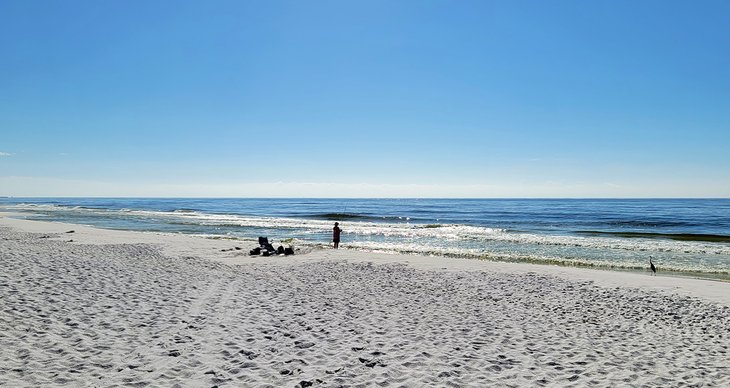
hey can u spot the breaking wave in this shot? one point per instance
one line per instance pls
(630, 250)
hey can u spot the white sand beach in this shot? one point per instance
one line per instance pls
(103, 308)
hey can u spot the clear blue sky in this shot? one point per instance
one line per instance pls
(365, 98)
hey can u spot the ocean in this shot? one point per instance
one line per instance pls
(683, 236)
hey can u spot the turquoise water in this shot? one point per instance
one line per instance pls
(690, 236)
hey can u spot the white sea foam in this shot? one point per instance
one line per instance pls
(452, 232)
(621, 262)
(439, 239)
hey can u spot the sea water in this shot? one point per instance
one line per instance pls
(682, 236)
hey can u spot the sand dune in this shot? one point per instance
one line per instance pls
(135, 314)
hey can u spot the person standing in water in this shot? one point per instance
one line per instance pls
(336, 235)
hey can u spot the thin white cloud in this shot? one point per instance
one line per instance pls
(5, 154)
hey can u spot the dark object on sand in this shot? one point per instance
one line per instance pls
(651, 265)
(265, 248)
(71, 231)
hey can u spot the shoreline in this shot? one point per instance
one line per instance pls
(541, 232)
(710, 289)
(110, 308)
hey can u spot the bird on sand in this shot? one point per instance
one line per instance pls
(651, 265)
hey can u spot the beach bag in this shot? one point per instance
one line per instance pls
(289, 251)
(255, 251)
(280, 250)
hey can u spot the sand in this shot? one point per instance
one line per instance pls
(109, 308)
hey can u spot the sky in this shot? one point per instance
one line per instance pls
(365, 98)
